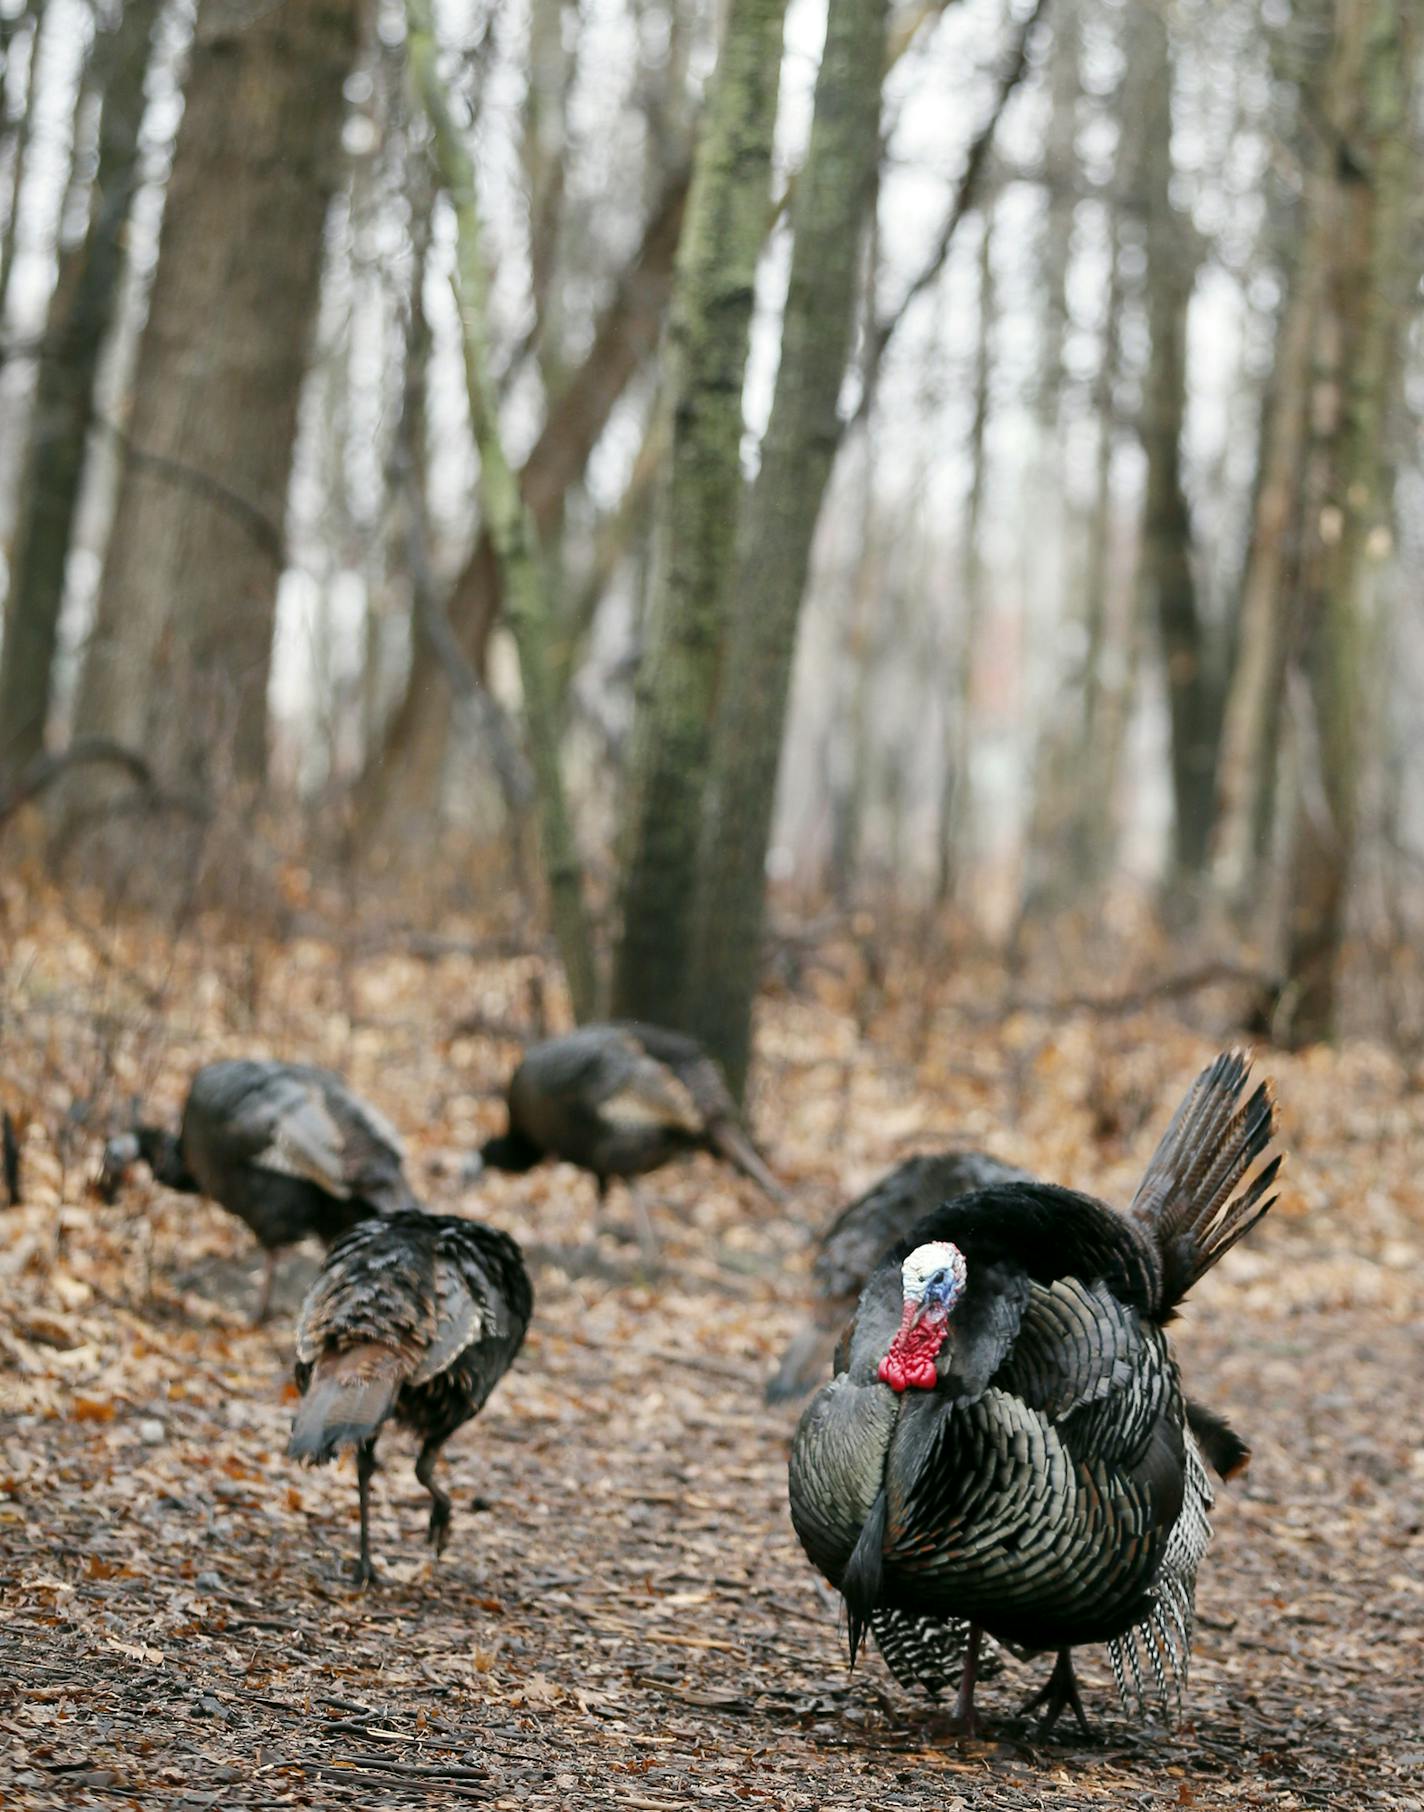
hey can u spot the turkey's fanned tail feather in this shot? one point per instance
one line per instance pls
(1191, 1200)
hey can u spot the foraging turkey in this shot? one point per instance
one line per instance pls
(618, 1100)
(859, 1238)
(414, 1318)
(286, 1147)
(1005, 1449)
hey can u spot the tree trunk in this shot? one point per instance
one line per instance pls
(1249, 760)
(956, 799)
(188, 598)
(86, 294)
(711, 324)
(773, 553)
(510, 523)
(19, 159)
(1370, 276)
(1166, 575)
(400, 779)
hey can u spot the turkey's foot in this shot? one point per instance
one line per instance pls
(1058, 1692)
(965, 1719)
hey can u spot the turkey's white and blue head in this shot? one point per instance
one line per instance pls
(932, 1281)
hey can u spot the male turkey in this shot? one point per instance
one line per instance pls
(416, 1317)
(859, 1238)
(1005, 1448)
(618, 1100)
(287, 1148)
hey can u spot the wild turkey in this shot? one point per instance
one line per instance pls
(859, 1238)
(417, 1318)
(1005, 1447)
(287, 1148)
(618, 1100)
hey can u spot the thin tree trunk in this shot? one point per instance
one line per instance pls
(956, 801)
(1095, 826)
(1166, 555)
(1371, 272)
(510, 523)
(615, 536)
(188, 599)
(773, 553)
(710, 328)
(85, 298)
(19, 158)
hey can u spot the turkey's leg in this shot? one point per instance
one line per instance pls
(1059, 1691)
(439, 1500)
(264, 1300)
(365, 1466)
(965, 1716)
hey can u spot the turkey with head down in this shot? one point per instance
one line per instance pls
(1005, 1448)
(618, 1100)
(286, 1147)
(415, 1319)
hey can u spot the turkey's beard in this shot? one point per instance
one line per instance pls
(910, 1362)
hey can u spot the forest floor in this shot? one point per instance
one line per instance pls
(629, 1621)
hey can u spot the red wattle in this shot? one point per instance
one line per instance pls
(910, 1362)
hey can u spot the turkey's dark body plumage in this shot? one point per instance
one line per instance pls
(414, 1319)
(620, 1100)
(286, 1147)
(1047, 1487)
(859, 1237)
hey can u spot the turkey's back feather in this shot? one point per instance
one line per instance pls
(413, 1314)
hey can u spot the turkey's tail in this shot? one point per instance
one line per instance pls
(350, 1394)
(1218, 1440)
(1192, 1201)
(729, 1141)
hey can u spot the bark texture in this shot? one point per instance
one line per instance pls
(710, 326)
(80, 315)
(774, 548)
(179, 658)
(1371, 272)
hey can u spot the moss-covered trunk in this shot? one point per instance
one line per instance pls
(509, 524)
(710, 327)
(774, 547)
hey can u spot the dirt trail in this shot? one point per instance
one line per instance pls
(630, 1623)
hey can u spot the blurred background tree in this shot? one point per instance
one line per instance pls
(964, 459)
